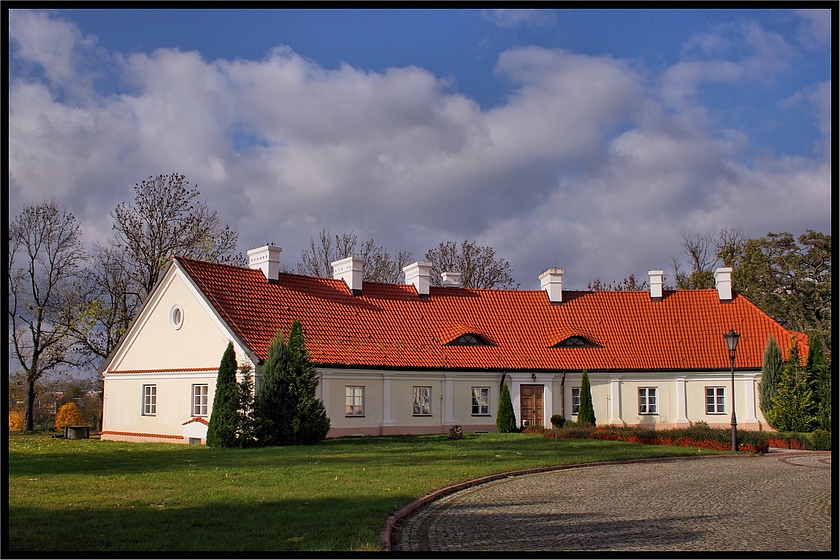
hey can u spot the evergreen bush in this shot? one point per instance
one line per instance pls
(772, 366)
(222, 428)
(586, 410)
(505, 418)
(820, 440)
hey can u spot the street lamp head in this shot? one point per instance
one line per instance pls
(731, 341)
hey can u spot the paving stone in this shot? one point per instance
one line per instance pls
(777, 502)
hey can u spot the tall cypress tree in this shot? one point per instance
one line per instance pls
(222, 428)
(586, 411)
(771, 373)
(245, 412)
(505, 417)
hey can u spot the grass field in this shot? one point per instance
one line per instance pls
(91, 495)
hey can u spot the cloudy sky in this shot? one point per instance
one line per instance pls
(581, 139)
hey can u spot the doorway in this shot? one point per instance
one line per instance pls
(531, 405)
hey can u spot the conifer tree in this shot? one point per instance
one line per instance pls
(308, 423)
(819, 373)
(586, 411)
(771, 372)
(245, 412)
(505, 417)
(222, 428)
(268, 402)
(794, 407)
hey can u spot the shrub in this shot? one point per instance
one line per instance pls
(710, 438)
(456, 432)
(505, 418)
(820, 440)
(16, 418)
(557, 421)
(586, 410)
(69, 415)
(534, 429)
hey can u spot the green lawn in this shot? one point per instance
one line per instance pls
(91, 495)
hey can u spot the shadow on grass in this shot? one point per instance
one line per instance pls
(285, 525)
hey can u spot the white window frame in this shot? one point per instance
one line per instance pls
(575, 400)
(422, 401)
(149, 400)
(481, 401)
(718, 403)
(647, 401)
(354, 400)
(199, 399)
(176, 317)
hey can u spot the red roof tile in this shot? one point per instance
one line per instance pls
(388, 325)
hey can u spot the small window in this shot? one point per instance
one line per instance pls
(199, 400)
(469, 339)
(176, 317)
(575, 400)
(575, 342)
(149, 400)
(354, 401)
(422, 401)
(481, 401)
(715, 400)
(647, 400)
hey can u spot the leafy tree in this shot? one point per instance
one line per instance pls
(790, 280)
(379, 264)
(45, 257)
(586, 410)
(478, 265)
(166, 220)
(224, 420)
(505, 416)
(794, 406)
(69, 415)
(771, 372)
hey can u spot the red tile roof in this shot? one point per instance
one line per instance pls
(389, 325)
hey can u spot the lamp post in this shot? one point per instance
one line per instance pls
(731, 344)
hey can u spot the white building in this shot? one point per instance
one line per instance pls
(412, 358)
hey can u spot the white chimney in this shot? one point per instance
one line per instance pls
(723, 282)
(350, 270)
(450, 279)
(419, 274)
(266, 259)
(656, 284)
(552, 282)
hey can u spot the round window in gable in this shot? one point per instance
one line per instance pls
(176, 317)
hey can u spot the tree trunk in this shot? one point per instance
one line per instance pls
(29, 414)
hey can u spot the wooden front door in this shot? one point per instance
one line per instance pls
(531, 405)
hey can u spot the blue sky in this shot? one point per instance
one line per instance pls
(584, 139)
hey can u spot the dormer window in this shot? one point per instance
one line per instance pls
(469, 339)
(575, 342)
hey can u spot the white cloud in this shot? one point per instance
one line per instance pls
(815, 30)
(590, 164)
(512, 18)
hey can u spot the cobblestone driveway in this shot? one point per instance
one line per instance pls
(779, 502)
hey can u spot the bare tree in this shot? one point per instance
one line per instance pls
(379, 264)
(45, 257)
(166, 220)
(478, 265)
(702, 259)
(628, 284)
